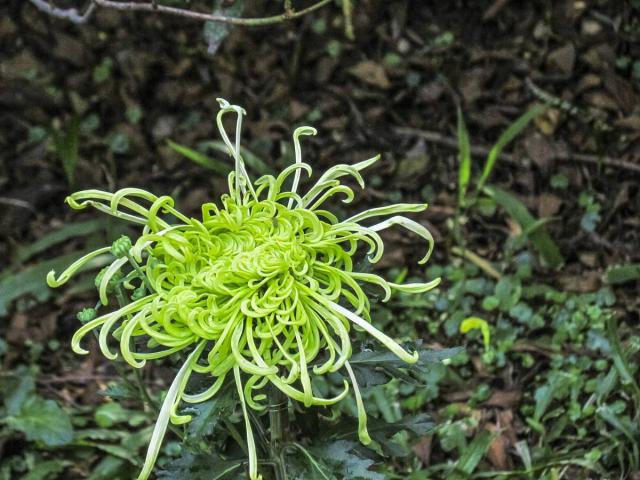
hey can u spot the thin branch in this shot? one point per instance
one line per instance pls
(451, 142)
(16, 202)
(205, 17)
(70, 14)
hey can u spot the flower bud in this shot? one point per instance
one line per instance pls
(138, 293)
(86, 314)
(113, 281)
(120, 248)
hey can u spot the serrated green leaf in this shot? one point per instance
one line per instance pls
(200, 467)
(44, 421)
(381, 431)
(341, 455)
(206, 415)
(387, 358)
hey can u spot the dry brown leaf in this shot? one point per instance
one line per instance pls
(562, 59)
(540, 150)
(422, 449)
(497, 453)
(548, 204)
(504, 398)
(372, 73)
(582, 283)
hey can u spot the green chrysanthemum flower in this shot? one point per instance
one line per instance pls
(261, 285)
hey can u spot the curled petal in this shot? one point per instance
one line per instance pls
(385, 339)
(363, 434)
(251, 445)
(296, 143)
(163, 418)
(389, 210)
(54, 282)
(111, 317)
(415, 227)
(108, 275)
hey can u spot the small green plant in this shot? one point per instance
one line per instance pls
(262, 288)
(533, 229)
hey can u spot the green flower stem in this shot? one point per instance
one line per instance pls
(278, 420)
(235, 434)
(136, 267)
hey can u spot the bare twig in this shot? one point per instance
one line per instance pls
(205, 17)
(451, 142)
(74, 379)
(71, 14)
(16, 202)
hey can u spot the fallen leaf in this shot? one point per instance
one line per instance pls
(548, 121)
(372, 73)
(18, 330)
(588, 258)
(540, 150)
(563, 59)
(601, 100)
(497, 452)
(581, 283)
(600, 57)
(548, 205)
(422, 449)
(494, 9)
(504, 398)
(621, 91)
(587, 82)
(504, 420)
(631, 122)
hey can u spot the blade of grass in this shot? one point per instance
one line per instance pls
(507, 136)
(200, 158)
(464, 157)
(255, 163)
(620, 361)
(472, 455)
(538, 235)
(73, 230)
(66, 145)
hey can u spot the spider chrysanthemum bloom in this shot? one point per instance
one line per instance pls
(261, 287)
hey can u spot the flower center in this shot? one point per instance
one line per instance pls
(250, 258)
